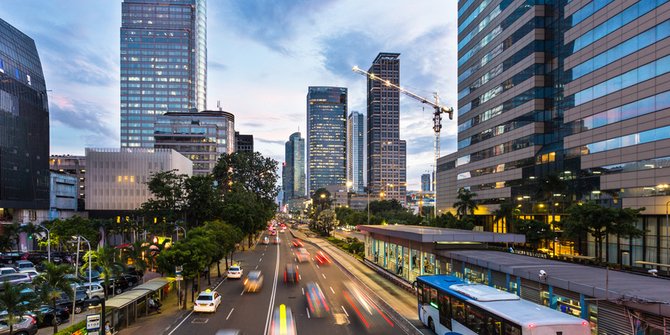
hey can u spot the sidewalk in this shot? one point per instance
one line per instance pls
(404, 303)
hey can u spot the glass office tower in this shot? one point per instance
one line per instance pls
(355, 136)
(24, 129)
(326, 137)
(293, 170)
(163, 64)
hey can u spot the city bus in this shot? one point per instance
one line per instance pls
(450, 306)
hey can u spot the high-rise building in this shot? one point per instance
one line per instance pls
(565, 103)
(425, 182)
(200, 136)
(163, 64)
(244, 143)
(326, 137)
(24, 130)
(387, 153)
(74, 166)
(293, 169)
(355, 131)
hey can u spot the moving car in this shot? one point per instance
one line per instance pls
(207, 301)
(291, 273)
(254, 281)
(316, 301)
(302, 255)
(297, 243)
(266, 240)
(27, 325)
(276, 240)
(322, 258)
(282, 321)
(366, 311)
(234, 271)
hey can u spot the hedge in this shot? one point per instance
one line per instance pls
(79, 326)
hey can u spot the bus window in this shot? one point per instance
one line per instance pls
(433, 297)
(475, 319)
(512, 329)
(445, 310)
(492, 326)
(458, 310)
(420, 289)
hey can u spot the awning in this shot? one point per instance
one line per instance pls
(138, 292)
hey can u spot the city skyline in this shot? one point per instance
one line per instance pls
(79, 48)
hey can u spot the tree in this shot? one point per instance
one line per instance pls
(63, 230)
(325, 222)
(252, 171)
(448, 220)
(14, 303)
(136, 253)
(226, 238)
(507, 213)
(203, 201)
(106, 259)
(246, 211)
(321, 200)
(597, 221)
(466, 204)
(188, 253)
(168, 196)
(9, 239)
(535, 231)
(52, 282)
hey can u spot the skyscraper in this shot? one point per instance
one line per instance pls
(355, 131)
(326, 137)
(562, 104)
(425, 182)
(163, 64)
(293, 170)
(244, 142)
(24, 130)
(387, 153)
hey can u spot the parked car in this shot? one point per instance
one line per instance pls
(115, 285)
(26, 326)
(7, 270)
(31, 272)
(15, 278)
(45, 316)
(80, 304)
(24, 265)
(132, 280)
(93, 291)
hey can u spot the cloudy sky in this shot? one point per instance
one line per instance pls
(263, 54)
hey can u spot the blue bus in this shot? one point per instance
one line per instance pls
(450, 306)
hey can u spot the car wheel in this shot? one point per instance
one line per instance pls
(21, 333)
(431, 324)
(119, 291)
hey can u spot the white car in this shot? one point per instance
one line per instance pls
(24, 265)
(31, 272)
(207, 301)
(94, 291)
(6, 271)
(234, 271)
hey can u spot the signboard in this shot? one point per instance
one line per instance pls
(93, 324)
(177, 272)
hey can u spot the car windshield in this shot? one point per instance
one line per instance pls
(204, 297)
(254, 275)
(234, 268)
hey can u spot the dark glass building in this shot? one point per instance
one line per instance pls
(293, 169)
(425, 183)
(355, 148)
(244, 142)
(24, 129)
(326, 137)
(387, 153)
(163, 64)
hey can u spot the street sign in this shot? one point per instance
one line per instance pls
(93, 324)
(179, 278)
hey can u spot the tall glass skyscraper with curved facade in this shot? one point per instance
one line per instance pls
(326, 137)
(24, 130)
(163, 64)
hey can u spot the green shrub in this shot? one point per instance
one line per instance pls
(75, 327)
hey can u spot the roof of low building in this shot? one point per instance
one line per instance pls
(425, 234)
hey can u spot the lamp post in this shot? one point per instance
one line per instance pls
(176, 228)
(367, 189)
(74, 298)
(48, 242)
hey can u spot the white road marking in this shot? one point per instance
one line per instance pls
(324, 276)
(272, 296)
(231, 312)
(256, 267)
(303, 290)
(297, 266)
(299, 277)
(191, 313)
(242, 292)
(345, 311)
(307, 309)
(331, 290)
(260, 260)
(317, 266)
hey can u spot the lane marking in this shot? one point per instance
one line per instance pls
(345, 311)
(324, 276)
(260, 260)
(191, 313)
(272, 296)
(331, 290)
(307, 309)
(299, 277)
(297, 266)
(231, 312)
(303, 290)
(317, 266)
(242, 292)
(256, 268)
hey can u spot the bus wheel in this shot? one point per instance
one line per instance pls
(431, 324)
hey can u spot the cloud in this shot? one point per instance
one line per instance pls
(342, 51)
(268, 141)
(81, 115)
(270, 22)
(216, 65)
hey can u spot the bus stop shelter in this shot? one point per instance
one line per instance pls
(125, 308)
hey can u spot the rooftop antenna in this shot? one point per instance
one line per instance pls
(218, 105)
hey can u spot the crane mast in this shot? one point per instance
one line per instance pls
(437, 117)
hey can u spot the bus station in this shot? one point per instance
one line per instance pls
(610, 300)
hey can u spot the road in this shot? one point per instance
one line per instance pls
(251, 312)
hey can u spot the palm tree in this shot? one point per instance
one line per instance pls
(507, 213)
(52, 282)
(14, 303)
(466, 204)
(137, 253)
(107, 260)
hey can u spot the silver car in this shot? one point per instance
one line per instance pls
(15, 278)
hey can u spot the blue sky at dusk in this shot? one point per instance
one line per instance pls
(262, 56)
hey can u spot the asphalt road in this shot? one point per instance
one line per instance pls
(251, 312)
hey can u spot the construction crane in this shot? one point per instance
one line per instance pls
(437, 115)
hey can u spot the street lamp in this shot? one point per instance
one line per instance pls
(48, 242)
(76, 270)
(176, 228)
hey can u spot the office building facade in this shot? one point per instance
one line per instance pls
(63, 195)
(293, 169)
(355, 148)
(200, 136)
(326, 137)
(387, 153)
(244, 143)
(74, 166)
(425, 182)
(24, 130)
(116, 179)
(163, 64)
(572, 100)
